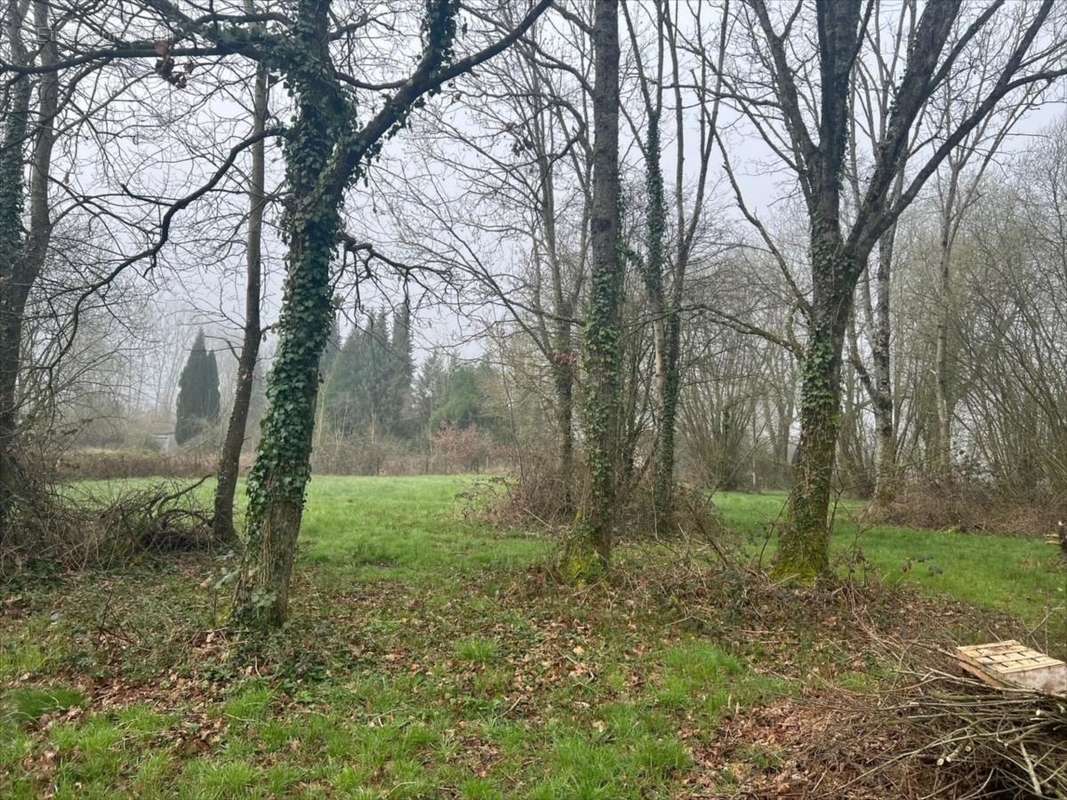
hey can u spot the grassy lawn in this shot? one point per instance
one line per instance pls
(429, 657)
(1013, 574)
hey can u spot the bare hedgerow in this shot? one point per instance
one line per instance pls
(974, 507)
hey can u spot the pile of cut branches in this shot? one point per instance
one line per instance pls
(982, 742)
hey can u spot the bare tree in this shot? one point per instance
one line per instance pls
(29, 117)
(664, 272)
(804, 119)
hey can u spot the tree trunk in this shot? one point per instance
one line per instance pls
(560, 344)
(668, 387)
(21, 258)
(11, 203)
(230, 459)
(602, 335)
(564, 384)
(278, 480)
(805, 539)
(664, 322)
(885, 424)
(943, 390)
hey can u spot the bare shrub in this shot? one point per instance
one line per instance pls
(452, 450)
(974, 507)
(343, 456)
(536, 494)
(462, 449)
(75, 528)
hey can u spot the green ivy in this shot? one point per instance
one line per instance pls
(324, 129)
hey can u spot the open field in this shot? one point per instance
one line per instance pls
(428, 656)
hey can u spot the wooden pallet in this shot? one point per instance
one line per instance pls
(1011, 664)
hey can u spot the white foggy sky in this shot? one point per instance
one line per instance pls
(195, 295)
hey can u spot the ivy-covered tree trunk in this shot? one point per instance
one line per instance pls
(669, 387)
(602, 335)
(805, 538)
(279, 477)
(230, 458)
(11, 204)
(666, 327)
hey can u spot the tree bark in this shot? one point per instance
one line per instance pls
(602, 335)
(279, 477)
(230, 459)
(805, 538)
(21, 258)
(885, 424)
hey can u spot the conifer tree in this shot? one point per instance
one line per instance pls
(198, 393)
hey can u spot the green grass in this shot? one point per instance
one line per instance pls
(30, 703)
(423, 660)
(1017, 575)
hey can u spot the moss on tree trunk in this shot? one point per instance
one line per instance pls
(804, 551)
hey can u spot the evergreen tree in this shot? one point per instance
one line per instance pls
(333, 347)
(198, 392)
(464, 400)
(402, 369)
(429, 390)
(368, 389)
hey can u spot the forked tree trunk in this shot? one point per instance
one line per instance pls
(602, 326)
(230, 458)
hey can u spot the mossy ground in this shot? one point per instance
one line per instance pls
(428, 656)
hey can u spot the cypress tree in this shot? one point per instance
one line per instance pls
(401, 372)
(198, 392)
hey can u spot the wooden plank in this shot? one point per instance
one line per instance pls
(1010, 663)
